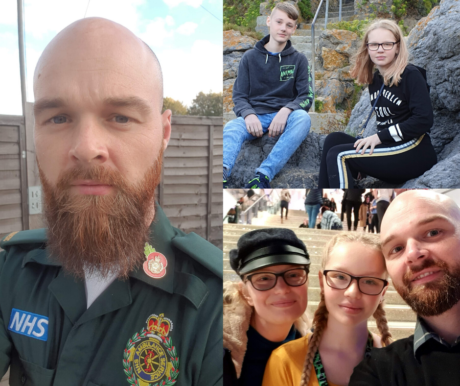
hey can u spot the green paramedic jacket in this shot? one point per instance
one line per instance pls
(142, 331)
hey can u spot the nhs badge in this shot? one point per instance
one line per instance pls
(28, 324)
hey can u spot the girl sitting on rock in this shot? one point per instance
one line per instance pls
(401, 150)
(353, 283)
(267, 308)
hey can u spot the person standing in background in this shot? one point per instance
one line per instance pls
(313, 202)
(384, 197)
(364, 213)
(333, 205)
(374, 217)
(353, 202)
(285, 200)
(344, 204)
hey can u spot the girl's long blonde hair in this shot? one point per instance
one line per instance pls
(321, 314)
(363, 67)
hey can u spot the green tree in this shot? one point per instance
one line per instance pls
(176, 107)
(210, 104)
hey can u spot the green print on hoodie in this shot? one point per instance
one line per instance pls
(287, 72)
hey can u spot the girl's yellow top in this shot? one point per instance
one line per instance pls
(286, 363)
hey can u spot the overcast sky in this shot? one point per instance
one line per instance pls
(186, 35)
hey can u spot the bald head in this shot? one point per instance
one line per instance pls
(100, 47)
(421, 203)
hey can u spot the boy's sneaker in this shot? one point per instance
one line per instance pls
(225, 184)
(260, 181)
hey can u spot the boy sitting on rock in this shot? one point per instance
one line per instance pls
(273, 94)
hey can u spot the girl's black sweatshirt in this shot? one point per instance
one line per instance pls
(403, 112)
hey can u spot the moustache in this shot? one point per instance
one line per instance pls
(426, 263)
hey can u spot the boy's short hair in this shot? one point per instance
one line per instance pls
(287, 8)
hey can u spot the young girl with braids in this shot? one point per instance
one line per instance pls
(353, 283)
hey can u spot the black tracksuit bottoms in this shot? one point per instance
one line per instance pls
(396, 163)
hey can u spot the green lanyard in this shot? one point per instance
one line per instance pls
(319, 368)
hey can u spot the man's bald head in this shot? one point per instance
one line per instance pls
(99, 44)
(414, 200)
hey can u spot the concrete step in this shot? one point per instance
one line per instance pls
(307, 31)
(305, 236)
(314, 251)
(303, 46)
(349, 12)
(298, 213)
(303, 39)
(333, 19)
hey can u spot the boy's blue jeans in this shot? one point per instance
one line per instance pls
(296, 130)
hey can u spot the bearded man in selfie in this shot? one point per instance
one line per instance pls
(110, 293)
(421, 243)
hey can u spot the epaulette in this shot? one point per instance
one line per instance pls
(202, 251)
(33, 236)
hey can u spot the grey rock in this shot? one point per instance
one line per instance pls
(262, 25)
(359, 116)
(327, 39)
(334, 88)
(299, 172)
(265, 9)
(445, 174)
(231, 63)
(234, 41)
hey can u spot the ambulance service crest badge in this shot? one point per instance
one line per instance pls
(150, 358)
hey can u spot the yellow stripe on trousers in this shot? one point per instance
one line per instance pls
(344, 158)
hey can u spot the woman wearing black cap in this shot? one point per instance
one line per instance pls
(268, 307)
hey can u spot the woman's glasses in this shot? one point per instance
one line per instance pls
(367, 285)
(387, 46)
(263, 281)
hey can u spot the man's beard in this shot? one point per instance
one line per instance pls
(102, 234)
(432, 298)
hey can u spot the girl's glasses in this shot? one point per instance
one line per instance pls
(387, 46)
(263, 281)
(367, 285)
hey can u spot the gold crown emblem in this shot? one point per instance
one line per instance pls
(159, 325)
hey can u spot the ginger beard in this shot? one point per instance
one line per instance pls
(432, 298)
(99, 234)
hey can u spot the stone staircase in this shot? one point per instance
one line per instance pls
(301, 40)
(401, 319)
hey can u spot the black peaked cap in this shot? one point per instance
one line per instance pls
(268, 246)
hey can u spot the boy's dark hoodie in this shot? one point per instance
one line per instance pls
(266, 83)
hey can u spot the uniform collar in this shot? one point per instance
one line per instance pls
(161, 235)
(164, 238)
